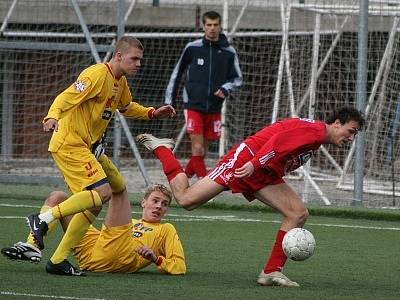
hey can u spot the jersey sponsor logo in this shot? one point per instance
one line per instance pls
(304, 157)
(141, 227)
(200, 61)
(80, 86)
(137, 234)
(106, 115)
(89, 170)
(295, 162)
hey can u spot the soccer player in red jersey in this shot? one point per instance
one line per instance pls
(256, 168)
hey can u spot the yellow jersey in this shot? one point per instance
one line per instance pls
(113, 249)
(86, 107)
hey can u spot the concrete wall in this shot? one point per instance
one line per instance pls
(265, 17)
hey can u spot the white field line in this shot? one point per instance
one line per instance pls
(227, 218)
(19, 295)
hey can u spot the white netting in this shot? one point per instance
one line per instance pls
(43, 48)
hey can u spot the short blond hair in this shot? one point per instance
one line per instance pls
(160, 188)
(127, 42)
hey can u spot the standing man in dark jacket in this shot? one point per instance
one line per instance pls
(212, 73)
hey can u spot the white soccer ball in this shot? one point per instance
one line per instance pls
(298, 244)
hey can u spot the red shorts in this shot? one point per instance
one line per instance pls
(208, 125)
(235, 158)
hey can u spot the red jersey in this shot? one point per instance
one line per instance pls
(274, 151)
(286, 145)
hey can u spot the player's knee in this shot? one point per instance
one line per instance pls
(185, 203)
(182, 202)
(104, 192)
(96, 210)
(302, 216)
(198, 149)
(55, 198)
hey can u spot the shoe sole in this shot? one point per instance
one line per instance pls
(20, 259)
(55, 271)
(144, 137)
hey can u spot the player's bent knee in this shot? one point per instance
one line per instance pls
(104, 192)
(302, 216)
(184, 203)
(55, 198)
(198, 150)
(96, 210)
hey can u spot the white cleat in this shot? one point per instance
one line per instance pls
(151, 142)
(22, 251)
(275, 279)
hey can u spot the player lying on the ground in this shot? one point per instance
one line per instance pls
(123, 245)
(256, 168)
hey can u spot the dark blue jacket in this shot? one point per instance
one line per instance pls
(209, 66)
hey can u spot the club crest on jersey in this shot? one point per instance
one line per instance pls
(80, 86)
(227, 176)
(200, 61)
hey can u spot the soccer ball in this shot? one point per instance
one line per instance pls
(298, 244)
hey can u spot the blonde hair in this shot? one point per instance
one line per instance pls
(160, 188)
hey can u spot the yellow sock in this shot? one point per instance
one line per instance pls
(76, 230)
(77, 203)
(30, 240)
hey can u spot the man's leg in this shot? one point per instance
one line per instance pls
(81, 171)
(29, 251)
(195, 127)
(119, 210)
(288, 203)
(118, 213)
(196, 164)
(189, 197)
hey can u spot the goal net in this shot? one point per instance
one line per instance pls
(297, 60)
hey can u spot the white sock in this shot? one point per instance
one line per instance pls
(46, 216)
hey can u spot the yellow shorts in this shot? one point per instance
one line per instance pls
(79, 168)
(112, 249)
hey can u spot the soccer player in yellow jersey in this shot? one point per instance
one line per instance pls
(123, 245)
(78, 118)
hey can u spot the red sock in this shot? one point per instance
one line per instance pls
(189, 168)
(277, 259)
(199, 166)
(170, 164)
